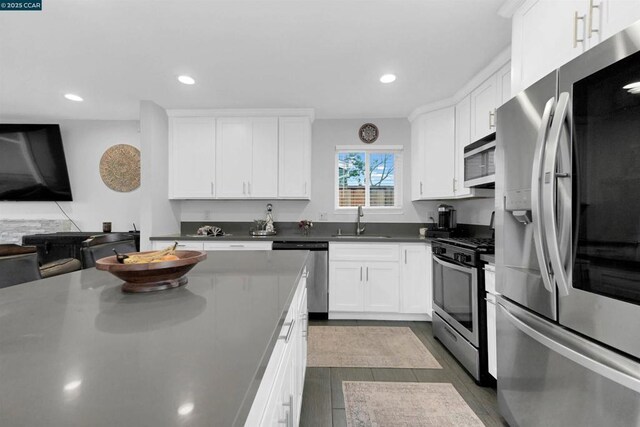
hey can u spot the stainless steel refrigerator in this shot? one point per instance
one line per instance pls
(568, 243)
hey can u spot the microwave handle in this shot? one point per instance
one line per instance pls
(536, 208)
(483, 147)
(558, 135)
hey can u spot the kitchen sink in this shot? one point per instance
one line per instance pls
(362, 236)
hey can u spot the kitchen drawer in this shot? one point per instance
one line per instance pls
(490, 278)
(183, 245)
(364, 252)
(237, 246)
(466, 353)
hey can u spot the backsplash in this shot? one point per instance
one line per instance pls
(12, 230)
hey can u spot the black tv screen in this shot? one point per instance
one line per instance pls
(32, 163)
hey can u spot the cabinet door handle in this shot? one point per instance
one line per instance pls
(305, 188)
(405, 256)
(361, 273)
(590, 30)
(421, 188)
(288, 334)
(492, 117)
(454, 185)
(577, 18)
(212, 188)
(367, 274)
(236, 246)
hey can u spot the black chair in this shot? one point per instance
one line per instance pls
(19, 264)
(101, 246)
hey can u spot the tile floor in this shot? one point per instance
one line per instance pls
(323, 403)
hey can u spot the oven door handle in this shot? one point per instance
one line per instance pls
(452, 265)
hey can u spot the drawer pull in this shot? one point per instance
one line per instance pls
(455, 338)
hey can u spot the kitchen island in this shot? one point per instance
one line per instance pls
(76, 351)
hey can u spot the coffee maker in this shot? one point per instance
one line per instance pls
(446, 217)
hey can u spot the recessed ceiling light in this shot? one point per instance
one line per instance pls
(388, 78)
(186, 80)
(186, 408)
(73, 97)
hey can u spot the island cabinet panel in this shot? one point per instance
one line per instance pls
(294, 167)
(279, 397)
(191, 156)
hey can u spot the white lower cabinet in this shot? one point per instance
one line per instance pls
(227, 245)
(183, 245)
(279, 397)
(379, 281)
(492, 347)
(416, 279)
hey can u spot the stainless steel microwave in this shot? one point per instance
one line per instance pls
(479, 164)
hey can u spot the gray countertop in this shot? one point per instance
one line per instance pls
(490, 258)
(76, 351)
(393, 238)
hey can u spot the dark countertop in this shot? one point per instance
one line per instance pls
(393, 238)
(490, 258)
(75, 350)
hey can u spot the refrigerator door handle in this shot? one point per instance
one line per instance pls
(591, 356)
(536, 199)
(559, 129)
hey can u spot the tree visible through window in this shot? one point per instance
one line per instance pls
(367, 179)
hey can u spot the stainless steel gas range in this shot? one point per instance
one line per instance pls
(460, 318)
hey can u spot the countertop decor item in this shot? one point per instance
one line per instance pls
(152, 276)
(368, 133)
(120, 168)
(210, 230)
(305, 225)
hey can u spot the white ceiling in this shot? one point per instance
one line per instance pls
(324, 54)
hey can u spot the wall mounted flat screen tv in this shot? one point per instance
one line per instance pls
(32, 164)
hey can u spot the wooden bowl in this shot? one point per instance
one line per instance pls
(153, 276)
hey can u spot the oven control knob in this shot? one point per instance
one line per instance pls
(462, 257)
(439, 251)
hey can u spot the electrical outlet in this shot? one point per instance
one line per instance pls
(324, 216)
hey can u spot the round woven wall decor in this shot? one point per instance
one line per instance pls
(120, 168)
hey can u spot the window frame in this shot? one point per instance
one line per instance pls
(398, 151)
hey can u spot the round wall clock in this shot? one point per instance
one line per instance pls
(368, 133)
(120, 168)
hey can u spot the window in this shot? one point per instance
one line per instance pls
(368, 177)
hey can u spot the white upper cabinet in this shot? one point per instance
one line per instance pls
(264, 163)
(616, 16)
(294, 179)
(247, 157)
(547, 34)
(433, 136)
(233, 157)
(192, 157)
(504, 84)
(256, 154)
(463, 138)
(484, 100)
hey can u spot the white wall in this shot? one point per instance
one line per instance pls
(93, 202)
(158, 215)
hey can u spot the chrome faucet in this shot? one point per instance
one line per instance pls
(360, 230)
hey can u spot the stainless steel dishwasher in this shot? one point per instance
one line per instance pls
(318, 280)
